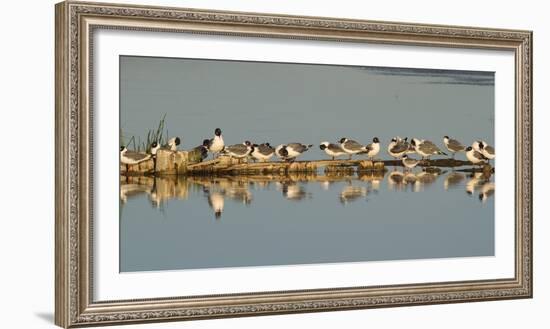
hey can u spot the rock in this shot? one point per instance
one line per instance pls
(168, 162)
(371, 165)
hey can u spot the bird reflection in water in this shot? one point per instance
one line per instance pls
(217, 190)
(409, 178)
(453, 179)
(240, 194)
(157, 189)
(293, 191)
(424, 179)
(216, 201)
(487, 191)
(373, 179)
(352, 193)
(396, 180)
(132, 190)
(325, 185)
(476, 179)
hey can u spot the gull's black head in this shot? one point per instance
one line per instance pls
(122, 148)
(376, 140)
(267, 144)
(481, 145)
(394, 140)
(154, 144)
(177, 141)
(343, 140)
(468, 149)
(205, 142)
(446, 137)
(218, 214)
(218, 132)
(413, 142)
(283, 151)
(247, 143)
(322, 146)
(405, 156)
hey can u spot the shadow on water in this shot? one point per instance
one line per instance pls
(350, 187)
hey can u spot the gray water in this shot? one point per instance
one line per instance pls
(171, 223)
(283, 103)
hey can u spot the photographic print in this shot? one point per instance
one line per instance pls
(240, 163)
(214, 164)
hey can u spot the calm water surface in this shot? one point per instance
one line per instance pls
(187, 223)
(210, 222)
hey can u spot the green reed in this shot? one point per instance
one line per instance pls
(158, 134)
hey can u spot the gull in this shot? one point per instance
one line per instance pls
(409, 163)
(172, 144)
(238, 151)
(486, 150)
(372, 149)
(290, 151)
(282, 152)
(202, 149)
(216, 144)
(475, 146)
(262, 152)
(333, 150)
(154, 149)
(426, 148)
(351, 147)
(296, 149)
(398, 147)
(453, 145)
(474, 156)
(411, 149)
(132, 158)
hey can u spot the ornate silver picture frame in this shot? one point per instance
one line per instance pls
(76, 22)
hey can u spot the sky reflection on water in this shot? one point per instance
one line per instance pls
(206, 222)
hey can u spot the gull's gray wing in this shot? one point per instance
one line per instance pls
(400, 147)
(298, 147)
(264, 149)
(335, 147)
(237, 148)
(353, 145)
(455, 145)
(479, 156)
(429, 147)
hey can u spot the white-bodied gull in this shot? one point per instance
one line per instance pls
(332, 150)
